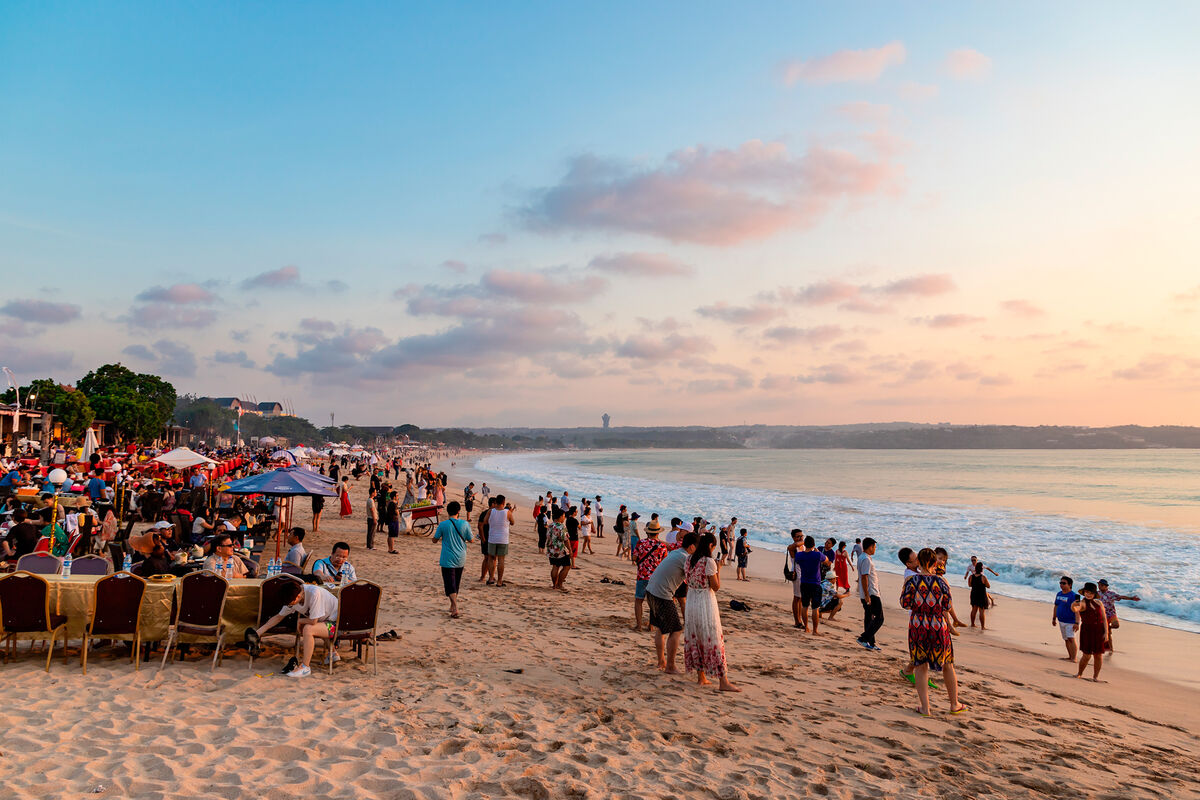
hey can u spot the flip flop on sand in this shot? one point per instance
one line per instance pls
(909, 677)
(961, 708)
(922, 713)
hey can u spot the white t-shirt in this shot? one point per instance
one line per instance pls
(198, 526)
(498, 526)
(585, 527)
(319, 604)
(670, 536)
(866, 569)
(599, 511)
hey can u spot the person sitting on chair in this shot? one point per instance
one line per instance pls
(296, 555)
(337, 567)
(318, 610)
(223, 555)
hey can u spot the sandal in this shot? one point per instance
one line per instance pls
(922, 713)
(961, 708)
(909, 677)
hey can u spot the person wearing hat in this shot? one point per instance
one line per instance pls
(648, 554)
(1109, 598)
(1093, 630)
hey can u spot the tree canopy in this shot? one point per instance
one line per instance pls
(139, 405)
(69, 406)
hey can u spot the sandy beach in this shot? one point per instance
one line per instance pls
(536, 694)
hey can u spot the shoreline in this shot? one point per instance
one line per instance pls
(1144, 649)
(1014, 590)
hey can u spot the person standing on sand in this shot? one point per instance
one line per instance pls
(855, 552)
(703, 639)
(485, 491)
(841, 567)
(469, 497)
(808, 563)
(572, 531)
(633, 534)
(868, 594)
(318, 505)
(392, 515)
(979, 596)
(620, 525)
(726, 541)
(1063, 615)
(1093, 630)
(344, 509)
(454, 534)
(558, 548)
(598, 516)
(372, 517)
(499, 523)
(927, 597)
(543, 527)
(485, 574)
(665, 619)
(648, 554)
(742, 552)
(585, 531)
(1109, 599)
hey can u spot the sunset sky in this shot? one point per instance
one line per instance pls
(676, 213)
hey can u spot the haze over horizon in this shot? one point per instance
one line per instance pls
(487, 216)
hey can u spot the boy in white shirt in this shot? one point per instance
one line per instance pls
(318, 610)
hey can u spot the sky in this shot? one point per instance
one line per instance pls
(531, 214)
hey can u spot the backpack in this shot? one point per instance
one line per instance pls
(789, 568)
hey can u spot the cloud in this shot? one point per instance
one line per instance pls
(966, 64)
(41, 311)
(1149, 368)
(708, 196)
(830, 373)
(282, 278)
(844, 65)
(1022, 308)
(169, 358)
(157, 316)
(864, 298)
(237, 359)
(336, 286)
(240, 335)
(866, 113)
(453, 266)
(667, 348)
(178, 294)
(540, 286)
(319, 325)
(788, 334)
(947, 320)
(742, 315)
(917, 92)
(646, 265)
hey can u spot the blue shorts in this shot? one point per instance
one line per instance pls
(639, 590)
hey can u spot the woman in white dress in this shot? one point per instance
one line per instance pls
(703, 640)
(585, 531)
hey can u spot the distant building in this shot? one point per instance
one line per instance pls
(271, 409)
(230, 403)
(607, 419)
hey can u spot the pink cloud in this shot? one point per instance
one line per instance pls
(1149, 368)
(282, 278)
(666, 348)
(179, 294)
(41, 311)
(715, 197)
(861, 298)
(650, 265)
(742, 315)
(844, 65)
(540, 286)
(922, 285)
(1022, 308)
(966, 64)
(820, 293)
(948, 320)
(789, 334)
(318, 325)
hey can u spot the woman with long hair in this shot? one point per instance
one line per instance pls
(344, 509)
(841, 567)
(979, 595)
(927, 597)
(703, 639)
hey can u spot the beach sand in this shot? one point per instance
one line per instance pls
(535, 694)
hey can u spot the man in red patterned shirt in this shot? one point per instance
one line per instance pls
(647, 555)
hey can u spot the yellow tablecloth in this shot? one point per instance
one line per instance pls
(73, 597)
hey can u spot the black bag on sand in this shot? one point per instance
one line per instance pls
(738, 605)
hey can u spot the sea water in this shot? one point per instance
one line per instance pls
(1132, 517)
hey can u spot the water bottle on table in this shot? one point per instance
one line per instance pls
(127, 564)
(66, 567)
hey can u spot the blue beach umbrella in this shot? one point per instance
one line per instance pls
(284, 483)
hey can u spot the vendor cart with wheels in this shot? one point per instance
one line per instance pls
(422, 519)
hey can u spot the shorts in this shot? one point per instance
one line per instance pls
(330, 628)
(743, 561)
(561, 561)
(451, 578)
(1067, 629)
(639, 590)
(497, 549)
(393, 529)
(483, 546)
(575, 548)
(664, 614)
(830, 607)
(810, 595)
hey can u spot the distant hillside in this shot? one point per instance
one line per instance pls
(873, 436)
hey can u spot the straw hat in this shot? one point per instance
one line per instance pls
(654, 527)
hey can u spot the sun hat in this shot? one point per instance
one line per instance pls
(654, 527)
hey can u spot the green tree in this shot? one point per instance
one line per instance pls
(139, 405)
(204, 417)
(69, 406)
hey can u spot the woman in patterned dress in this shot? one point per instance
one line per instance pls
(703, 641)
(927, 597)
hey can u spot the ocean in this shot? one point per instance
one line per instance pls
(1131, 516)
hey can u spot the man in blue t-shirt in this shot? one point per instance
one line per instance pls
(1064, 616)
(96, 486)
(806, 590)
(453, 533)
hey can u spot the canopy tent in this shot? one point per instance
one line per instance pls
(184, 457)
(284, 483)
(266, 440)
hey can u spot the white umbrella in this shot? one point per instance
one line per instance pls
(284, 455)
(299, 453)
(89, 444)
(267, 440)
(184, 457)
